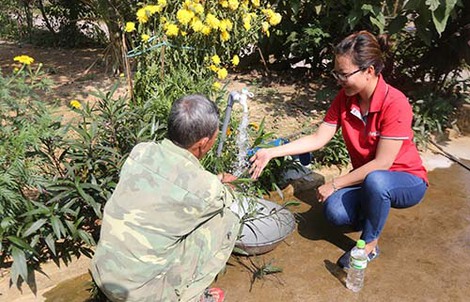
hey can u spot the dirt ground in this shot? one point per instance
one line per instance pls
(425, 250)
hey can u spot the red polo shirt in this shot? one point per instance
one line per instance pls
(390, 117)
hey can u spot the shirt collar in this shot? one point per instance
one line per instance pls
(378, 97)
(168, 144)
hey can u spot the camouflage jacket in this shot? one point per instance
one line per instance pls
(167, 230)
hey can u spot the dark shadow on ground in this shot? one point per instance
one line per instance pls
(313, 225)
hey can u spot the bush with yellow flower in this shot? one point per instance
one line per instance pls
(190, 46)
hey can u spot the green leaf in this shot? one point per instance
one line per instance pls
(397, 24)
(57, 226)
(34, 227)
(441, 14)
(19, 266)
(432, 4)
(413, 4)
(51, 243)
(7, 222)
(318, 9)
(86, 237)
(380, 23)
(20, 243)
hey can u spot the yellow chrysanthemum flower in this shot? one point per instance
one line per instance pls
(198, 8)
(247, 25)
(216, 86)
(76, 104)
(215, 59)
(255, 3)
(235, 60)
(145, 37)
(184, 16)
(162, 3)
(24, 59)
(212, 21)
(196, 25)
(233, 4)
(247, 21)
(171, 30)
(206, 30)
(275, 19)
(130, 27)
(152, 9)
(222, 73)
(16, 69)
(213, 68)
(224, 36)
(142, 16)
(265, 26)
(225, 25)
(223, 3)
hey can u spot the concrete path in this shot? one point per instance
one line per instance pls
(425, 252)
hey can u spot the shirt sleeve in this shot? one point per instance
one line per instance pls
(333, 114)
(397, 119)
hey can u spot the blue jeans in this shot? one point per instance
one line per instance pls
(367, 206)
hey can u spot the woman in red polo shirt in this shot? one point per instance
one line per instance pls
(375, 119)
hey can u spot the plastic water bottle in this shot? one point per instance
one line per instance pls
(357, 267)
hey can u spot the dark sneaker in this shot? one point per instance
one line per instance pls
(343, 261)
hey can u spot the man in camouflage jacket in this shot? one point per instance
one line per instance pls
(167, 230)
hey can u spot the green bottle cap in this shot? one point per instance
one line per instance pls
(361, 244)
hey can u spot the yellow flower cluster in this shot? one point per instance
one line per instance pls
(194, 17)
(24, 59)
(208, 23)
(272, 17)
(75, 104)
(130, 27)
(221, 71)
(144, 13)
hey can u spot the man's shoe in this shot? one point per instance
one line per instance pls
(343, 261)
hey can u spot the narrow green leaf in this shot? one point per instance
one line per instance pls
(51, 243)
(55, 222)
(20, 243)
(86, 237)
(19, 262)
(34, 227)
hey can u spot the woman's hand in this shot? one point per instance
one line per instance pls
(259, 161)
(324, 191)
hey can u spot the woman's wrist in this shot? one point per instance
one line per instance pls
(333, 184)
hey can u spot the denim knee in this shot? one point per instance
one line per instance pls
(335, 213)
(377, 181)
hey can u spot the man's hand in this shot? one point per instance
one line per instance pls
(226, 177)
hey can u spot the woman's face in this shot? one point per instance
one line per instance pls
(350, 76)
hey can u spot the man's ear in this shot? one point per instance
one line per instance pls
(203, 142)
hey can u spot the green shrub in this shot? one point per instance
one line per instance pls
(55, 178)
